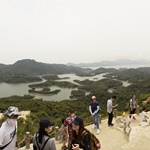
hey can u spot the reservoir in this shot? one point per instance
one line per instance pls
(21, 89)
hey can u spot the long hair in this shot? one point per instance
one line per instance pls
(77, 137)
(41, 132)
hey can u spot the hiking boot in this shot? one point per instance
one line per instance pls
(98, 130)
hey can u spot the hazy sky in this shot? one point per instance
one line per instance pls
(77, 31)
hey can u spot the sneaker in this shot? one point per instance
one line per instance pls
(98, 130)
(94, 126)
(110, 125)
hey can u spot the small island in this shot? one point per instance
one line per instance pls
(45, 90)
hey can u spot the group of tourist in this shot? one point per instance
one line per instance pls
(72, 127)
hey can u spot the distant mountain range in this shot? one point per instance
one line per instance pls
(32, 67)
(111, 63)
(28, 70)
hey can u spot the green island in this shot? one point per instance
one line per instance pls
(44, 91)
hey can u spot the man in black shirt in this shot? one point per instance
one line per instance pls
(94, 110)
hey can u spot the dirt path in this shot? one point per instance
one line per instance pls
(110, 137)
(113, 138)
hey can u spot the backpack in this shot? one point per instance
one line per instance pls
(94, 141)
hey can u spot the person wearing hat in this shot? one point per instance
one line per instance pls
(82, 138)
(94, 109)
(41, 140)
(8, 130)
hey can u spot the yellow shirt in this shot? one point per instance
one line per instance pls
(125, 114)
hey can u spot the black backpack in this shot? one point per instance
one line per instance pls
(36, 137)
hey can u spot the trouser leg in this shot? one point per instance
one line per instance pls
(96, 120)
(110, 118)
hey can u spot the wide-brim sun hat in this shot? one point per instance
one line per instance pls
(12, 111)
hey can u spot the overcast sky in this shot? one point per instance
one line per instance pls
(77, 31)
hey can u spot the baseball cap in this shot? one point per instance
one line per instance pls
(12, 111)
(78, 121)
(93, 97)
(44, 123)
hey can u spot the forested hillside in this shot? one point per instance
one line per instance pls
(28, 70)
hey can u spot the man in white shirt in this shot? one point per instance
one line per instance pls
(8, 130)
(110, 110)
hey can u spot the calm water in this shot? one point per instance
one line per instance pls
(121, 66)
(22, 88)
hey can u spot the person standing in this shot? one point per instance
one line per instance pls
(68, 126)
(78, 128)
(41, 140)
(110, 109)
(8, 130)
(82, 139)
(63, 138)
(94, 109)
(133, 106)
